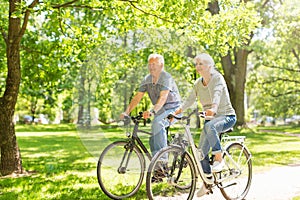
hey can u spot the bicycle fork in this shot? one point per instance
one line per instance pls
(126, 158)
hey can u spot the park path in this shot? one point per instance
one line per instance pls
(279, 183)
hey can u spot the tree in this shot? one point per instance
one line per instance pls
(177, 24)
(10, 153)
(234, 63)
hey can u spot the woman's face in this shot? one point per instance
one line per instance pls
(201, 66)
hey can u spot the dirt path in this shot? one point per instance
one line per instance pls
(280, 183)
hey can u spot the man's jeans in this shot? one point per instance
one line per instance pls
(210, 137)
(158, 140)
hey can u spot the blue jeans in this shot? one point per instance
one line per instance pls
(158, 140)
(210, 137)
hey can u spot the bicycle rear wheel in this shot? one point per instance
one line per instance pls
(171, 175)
(236, 179)
(120, 170)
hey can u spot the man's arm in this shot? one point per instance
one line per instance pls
(134, 102)
(161, 101)
(159, 104)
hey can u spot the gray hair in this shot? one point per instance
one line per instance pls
(158, 56)
(207, 59)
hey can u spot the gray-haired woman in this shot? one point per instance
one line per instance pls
(211, 90)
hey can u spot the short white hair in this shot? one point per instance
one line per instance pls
(157, 56)
(206, 58)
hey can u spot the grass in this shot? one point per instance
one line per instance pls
(62, 160)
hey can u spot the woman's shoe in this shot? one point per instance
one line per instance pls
(218, 166)
(202, 191)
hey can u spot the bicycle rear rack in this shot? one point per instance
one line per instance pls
(227, 138)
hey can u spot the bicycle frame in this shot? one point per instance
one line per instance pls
(134, 137)
(139, 141)
(195, 154)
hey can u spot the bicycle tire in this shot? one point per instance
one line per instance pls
(179, 178)
(237, 187)
(116, 182)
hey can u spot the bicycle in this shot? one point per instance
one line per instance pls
(176, 177)
(122, 164)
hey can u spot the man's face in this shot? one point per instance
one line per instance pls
(154, 66)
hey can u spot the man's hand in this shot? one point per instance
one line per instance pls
(147, 114)
(122, 115)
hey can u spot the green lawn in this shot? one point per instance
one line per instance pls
(62, 161)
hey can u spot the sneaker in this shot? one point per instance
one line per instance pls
(218, 166)
(202, 191)
(160, 172)
(155, 179)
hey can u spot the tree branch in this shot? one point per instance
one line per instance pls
(26, 17)
(282, 68)
(64, 5)
(264, 4)
(4, 35)
(71, 5)
(147, 13)
(280, 79)
(296, 56)
(286, 93)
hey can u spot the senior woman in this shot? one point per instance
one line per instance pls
(211, 90)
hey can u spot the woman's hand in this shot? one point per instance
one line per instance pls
(177, 112)
(209, 112)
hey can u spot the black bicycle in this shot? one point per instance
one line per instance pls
(122, 164)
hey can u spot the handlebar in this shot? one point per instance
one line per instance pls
(136, 119)
(202, 114)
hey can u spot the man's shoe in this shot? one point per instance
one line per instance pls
(159, 173)
(202, 191)
(218, 166)
(156, 179)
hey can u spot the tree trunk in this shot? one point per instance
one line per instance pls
(240, 80)
(235, 77)
(10, 154)
(81, 94)
(234, 73)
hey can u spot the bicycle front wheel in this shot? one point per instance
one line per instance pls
(120, 170)
(237, 174)
(171, 175)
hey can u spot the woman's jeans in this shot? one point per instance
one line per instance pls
(158, 140)
(210, 137)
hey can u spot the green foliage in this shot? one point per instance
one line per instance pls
(274, 81)
(112, 39)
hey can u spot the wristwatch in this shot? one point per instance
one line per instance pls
(152, 111)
